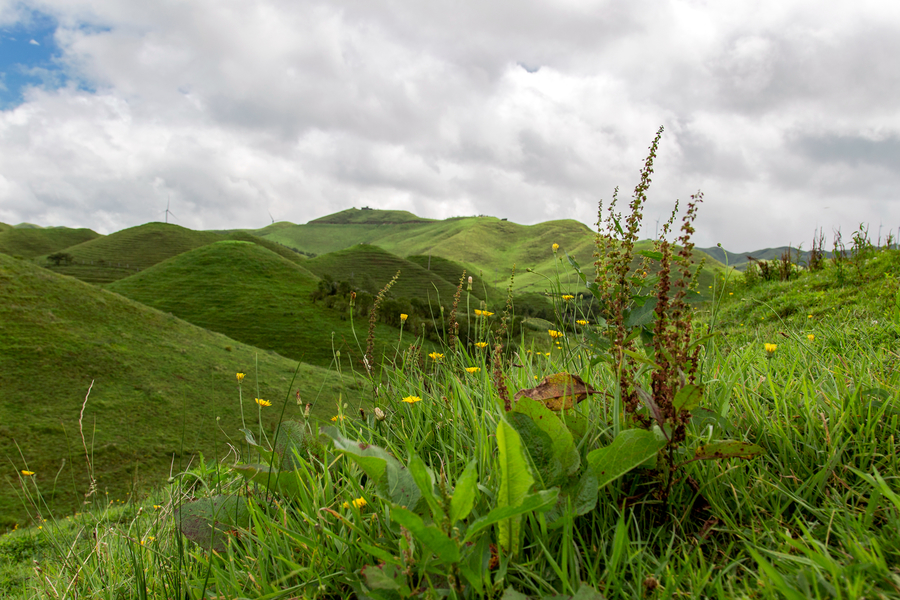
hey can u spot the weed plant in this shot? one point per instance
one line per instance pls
(644, 456)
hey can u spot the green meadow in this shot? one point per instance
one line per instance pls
(661, 431)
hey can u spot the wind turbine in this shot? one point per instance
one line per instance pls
(271, 217)
(168, 212)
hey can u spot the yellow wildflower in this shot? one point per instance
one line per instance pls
(356, 503)
(567, 297)
(412, 399)
(809, 316)
(403, 317)
(435, 356)
(483, 313)
(481, 345)
(262, 402)
(27, 473)
(473, 370)
(555, 334)
(337, 418)
(240, 377)
(811, 337)
(771, 348)
(582, 322)
(555, 248)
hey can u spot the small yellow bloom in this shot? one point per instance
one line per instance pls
(403, 317)
(27, 473)
(262, 402)
(483, 313)
(240, 377)
(473, 370)
(771, 348)
(810, 337)
(436, 356)
(481, 345)
(337, 418)
(582, 322)
(555, 248)
(809, 316)
(356, 503)
(412, 399)
(555, 334)
(156, 507)
(567, 297)
(731, 293)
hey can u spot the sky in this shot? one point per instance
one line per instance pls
(235, 113)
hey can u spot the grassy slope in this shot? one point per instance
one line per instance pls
(490, 247)
(30, 243)
(370, 216)
(123, 253)
(370, 268)
(253, 295)
(154, 377)
(5, 227)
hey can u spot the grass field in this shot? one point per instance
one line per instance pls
(253, 295)
(487, 246)
(160, 386)
(31, 243)
(815, 515)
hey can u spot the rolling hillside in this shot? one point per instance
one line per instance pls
(489, 246)
(125, 252)
(253, 295)
(33, 242)
(160, 384)
(5, 226)
(740, 260)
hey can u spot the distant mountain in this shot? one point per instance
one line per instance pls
(739, 260)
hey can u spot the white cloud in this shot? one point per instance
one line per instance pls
(527, 110)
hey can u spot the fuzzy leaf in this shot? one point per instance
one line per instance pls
(561, 460)
(281, 482)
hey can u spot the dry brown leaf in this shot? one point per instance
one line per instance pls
(559, 391)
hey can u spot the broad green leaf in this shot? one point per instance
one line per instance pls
(565, 456)
(464, 494)
(650, 254)
(511, 594)
(425, 483)
(727, 449)
(206, 521)
(393, 481)
(586, 592)
(539, 448)
(386, 577)
(285, 483)
(515, 482)
(428, 535)
(688, 397)
(630, 449)
(292, 443)
(582, 495)
(641, 315)
(701, 417)
(540, 502)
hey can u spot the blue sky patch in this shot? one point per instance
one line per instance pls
(29, 57)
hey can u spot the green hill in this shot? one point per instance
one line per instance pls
(4, 226)
(370, 216)
(255, 296)
(29, 243)
(369, 268)
(489, 246)
(159, 386)
(125, 252)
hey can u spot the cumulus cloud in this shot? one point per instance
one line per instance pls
(527, 110)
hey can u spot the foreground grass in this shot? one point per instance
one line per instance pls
(817, 515)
